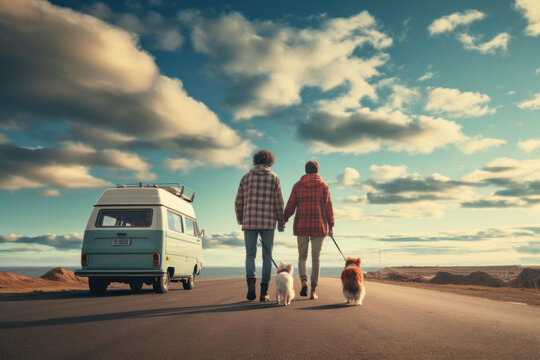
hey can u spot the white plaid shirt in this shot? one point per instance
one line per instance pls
(259, 203)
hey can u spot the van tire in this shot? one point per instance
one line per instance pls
(97, 286)
(136, 286)
(189, 283)
(161, 286)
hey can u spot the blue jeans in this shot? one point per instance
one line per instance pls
(250, 238)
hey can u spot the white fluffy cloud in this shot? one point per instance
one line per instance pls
(531, 11)
(532, 104)
(507, 170)
(499, 42)
(387, 172)
(458, 104)
(479, 143)
(529, 145)
(94, 78)
(349, 177)
(449, 23)
(264, 63)
(426, 76)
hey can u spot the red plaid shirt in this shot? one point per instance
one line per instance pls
(311, 199)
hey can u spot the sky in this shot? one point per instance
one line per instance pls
(423, 115)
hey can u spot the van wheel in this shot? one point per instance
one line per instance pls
(161, 286)
(189, 283)
(97, 286)
(136, 286)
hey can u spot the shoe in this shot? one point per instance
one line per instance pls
(264, 293)
(303, 292)
(313, 295)
(251, 295)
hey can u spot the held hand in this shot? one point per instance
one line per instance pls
(281, 228)
(331, 232)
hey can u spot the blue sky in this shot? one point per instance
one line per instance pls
(423, 115)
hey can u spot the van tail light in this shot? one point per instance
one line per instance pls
(156, 259)
(84, 260)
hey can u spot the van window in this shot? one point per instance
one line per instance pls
(174, 222)
(124, 218)
(190, 227)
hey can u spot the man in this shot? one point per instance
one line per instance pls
(258, 206)
(313, 221)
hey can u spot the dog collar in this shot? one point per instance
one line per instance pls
(353, 264)
(282, 270)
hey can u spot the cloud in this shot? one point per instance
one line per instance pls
(387, 172)
(412, 211)
(426, 76)
(529, 145)
(367, 131)
(530, 9)
(350, 213)
(506, 171)
(493, 202)
(164, 34)
(236, 239)
(349, 177)
(49, 193)
(499, 42)
(59, 242)
(532, 104)
(449, 23)
(92, 78)
(458, 104)
(21, 249)
(263, 64)
(66, 166)
(533, 247)
(478, 143)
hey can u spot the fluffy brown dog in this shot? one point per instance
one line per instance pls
(352, 279)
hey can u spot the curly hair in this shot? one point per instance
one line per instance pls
(312, 167)
(263, 157)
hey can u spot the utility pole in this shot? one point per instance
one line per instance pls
(379, 259)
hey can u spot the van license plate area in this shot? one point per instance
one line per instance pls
(121, 242)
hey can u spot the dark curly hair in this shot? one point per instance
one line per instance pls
(263, 157)
(312, 167)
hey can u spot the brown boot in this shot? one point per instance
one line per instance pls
(264, 292)
(251, 294)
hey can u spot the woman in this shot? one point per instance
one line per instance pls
(313, 221)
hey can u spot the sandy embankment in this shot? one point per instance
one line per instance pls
(57, 279)
(505, 283)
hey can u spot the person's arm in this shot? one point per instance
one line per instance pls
(291, 205)
(239, 203)
(329, 212)
(278, 204)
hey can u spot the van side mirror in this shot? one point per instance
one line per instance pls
(201, 233)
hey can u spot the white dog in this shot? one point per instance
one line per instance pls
(284, 284)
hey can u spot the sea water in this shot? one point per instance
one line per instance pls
(208, 272)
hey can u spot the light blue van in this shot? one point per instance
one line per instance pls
(142, 235)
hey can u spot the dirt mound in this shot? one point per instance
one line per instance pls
(529, 278)
(61, 274)
(443, 277)
(483, 279)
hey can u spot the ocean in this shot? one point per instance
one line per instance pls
(208, 272)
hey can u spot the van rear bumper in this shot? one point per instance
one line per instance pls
(119, 273)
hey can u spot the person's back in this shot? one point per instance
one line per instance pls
(259, 206)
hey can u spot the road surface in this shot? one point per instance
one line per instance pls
(213, 321)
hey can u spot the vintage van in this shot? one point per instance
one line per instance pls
(142, 235)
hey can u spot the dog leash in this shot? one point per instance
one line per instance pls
(332, 237)
(268, 253)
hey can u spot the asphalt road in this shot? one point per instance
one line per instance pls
(213, 321)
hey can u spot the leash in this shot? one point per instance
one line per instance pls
(268, 252)
(338, 247)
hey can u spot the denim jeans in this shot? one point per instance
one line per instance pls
(250, 238)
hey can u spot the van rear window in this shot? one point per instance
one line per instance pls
(124, 218)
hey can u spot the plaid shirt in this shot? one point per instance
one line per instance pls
(311, 199)
(259, 203)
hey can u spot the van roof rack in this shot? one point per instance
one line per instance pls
(177, 189)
